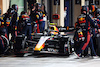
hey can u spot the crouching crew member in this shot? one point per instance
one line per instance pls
(82, 36)
(2, 32)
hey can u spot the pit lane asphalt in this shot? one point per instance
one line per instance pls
(48, 61)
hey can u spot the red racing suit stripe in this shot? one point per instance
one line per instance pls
(88, 40)
(38, 30)
(2, 41)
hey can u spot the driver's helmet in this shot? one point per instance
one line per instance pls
(54, 30)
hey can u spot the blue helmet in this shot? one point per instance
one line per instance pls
(93, 7)
(84, 8)
(15, 7)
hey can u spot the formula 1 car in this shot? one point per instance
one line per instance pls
(54, 42)
(49, 41)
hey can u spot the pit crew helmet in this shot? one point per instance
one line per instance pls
(38, 6)
(15, 7)
(54, 30)
(98, 11)
(93, 7)
(84, 8)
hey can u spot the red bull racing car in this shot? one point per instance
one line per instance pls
(54, 42)
(51, 41)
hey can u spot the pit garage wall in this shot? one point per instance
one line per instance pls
(77, 11)
(1, 5)
(54, 11)
(4, 5)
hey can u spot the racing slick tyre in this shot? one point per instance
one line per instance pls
(5, 47)
(63, 47)
(98, 45)
(19, 44)
(6, 43)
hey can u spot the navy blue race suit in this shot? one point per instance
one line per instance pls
(24, 25)
(39, 20)
(14, 23)
(82, 36)
(2, 32)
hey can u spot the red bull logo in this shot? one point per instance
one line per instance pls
(80, 34)
(25, 16)
(81, 19)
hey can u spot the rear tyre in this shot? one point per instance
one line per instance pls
(6, 44)
(98, 46)
(62, 49)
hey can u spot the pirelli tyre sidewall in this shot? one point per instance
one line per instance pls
(19, 44)
(98, 45)
(64, 46)
(6, 43)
